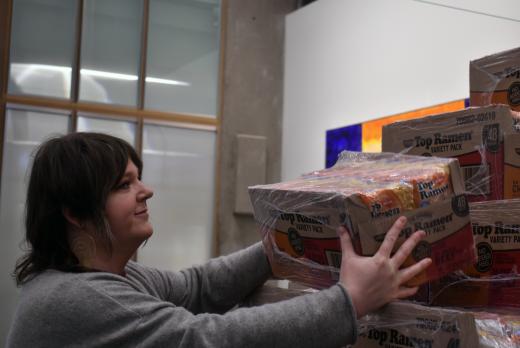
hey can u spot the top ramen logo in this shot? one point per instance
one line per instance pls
(513, 94)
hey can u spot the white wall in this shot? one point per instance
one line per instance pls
(348, 61)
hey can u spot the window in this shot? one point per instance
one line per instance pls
(179, 166)
(121, 128)
(110, 51)
(42, 47)
(182, 76)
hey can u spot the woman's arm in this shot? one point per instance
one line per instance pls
(323, 319)
(104, 310)
(215, 286)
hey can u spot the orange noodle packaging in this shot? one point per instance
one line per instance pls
(366, 193)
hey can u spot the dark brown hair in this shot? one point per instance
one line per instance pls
(75, 172)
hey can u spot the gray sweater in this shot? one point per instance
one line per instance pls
(152, 308)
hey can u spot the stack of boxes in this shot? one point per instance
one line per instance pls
(486, 141)
(367, 192)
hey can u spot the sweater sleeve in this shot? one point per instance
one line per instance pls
(216, 286)
(105, 310)
(322, 319)
(325, 318)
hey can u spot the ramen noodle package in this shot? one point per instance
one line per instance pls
(366, 193)
(493, 280)
(485, 140)
(495, 79)
(402, 324)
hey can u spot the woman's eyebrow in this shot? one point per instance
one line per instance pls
(127, 175)
(130, 173)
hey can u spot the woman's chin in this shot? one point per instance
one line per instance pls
(147, 233)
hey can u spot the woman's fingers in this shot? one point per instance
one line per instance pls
(404, 292)
(409, 272)
(391, 237)
(406, 249)
(346, 242)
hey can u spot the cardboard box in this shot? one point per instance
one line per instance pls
(495, 79)
(512, 166)
(402, 324)
(494, 280)
(366, 193)
(482, 139)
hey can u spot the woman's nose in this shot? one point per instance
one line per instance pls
(145, 192)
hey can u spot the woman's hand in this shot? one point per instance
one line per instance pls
(374, 281)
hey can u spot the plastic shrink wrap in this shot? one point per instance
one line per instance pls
(403, 324)
(495, 79)
(485, 140)
(493, 280)
(366, 193)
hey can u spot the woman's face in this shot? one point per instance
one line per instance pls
(126, 211)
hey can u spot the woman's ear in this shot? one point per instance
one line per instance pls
(71, 219)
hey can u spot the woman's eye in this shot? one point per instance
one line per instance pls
(123, 186)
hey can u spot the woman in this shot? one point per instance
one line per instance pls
(86, 215)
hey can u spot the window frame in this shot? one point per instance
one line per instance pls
(141, 114)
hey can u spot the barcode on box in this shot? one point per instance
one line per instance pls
(476, 179)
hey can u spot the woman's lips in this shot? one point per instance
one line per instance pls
(142, 213)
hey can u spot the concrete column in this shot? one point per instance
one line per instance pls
(252, 105)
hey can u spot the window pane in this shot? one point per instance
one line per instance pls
(24, 131)
(121, 129)
(42, 47)
(179, 167)
(110, 51)
(182, 60)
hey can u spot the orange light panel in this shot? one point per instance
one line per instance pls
(372, 130)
